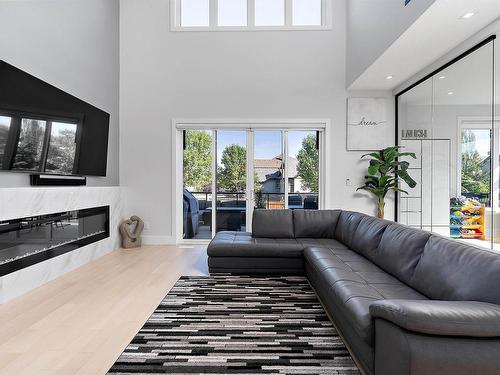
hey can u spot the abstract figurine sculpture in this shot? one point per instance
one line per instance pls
(130, 231)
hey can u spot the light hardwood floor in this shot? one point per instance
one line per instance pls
(82, 321)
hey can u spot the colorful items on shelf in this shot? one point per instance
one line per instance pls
(466, 218)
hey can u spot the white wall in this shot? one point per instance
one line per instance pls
(278, 74)
(73, 45)
(372, 26)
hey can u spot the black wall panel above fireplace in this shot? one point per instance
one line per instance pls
(44, 108)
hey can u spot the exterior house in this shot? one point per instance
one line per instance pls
(269, 173)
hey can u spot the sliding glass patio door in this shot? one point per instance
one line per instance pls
(198, 151)
(231, 180)
(227, 173)
(269, 169)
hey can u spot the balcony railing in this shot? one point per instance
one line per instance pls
(231, 209)
(237, 200)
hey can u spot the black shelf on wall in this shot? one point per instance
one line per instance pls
(38, 179)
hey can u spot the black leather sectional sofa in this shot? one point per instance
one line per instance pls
(405, 301)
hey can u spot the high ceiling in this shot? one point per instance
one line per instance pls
(467, 82)
(436, 32)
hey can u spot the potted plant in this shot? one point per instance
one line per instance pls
(385, 173)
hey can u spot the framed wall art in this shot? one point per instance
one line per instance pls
(368, 126)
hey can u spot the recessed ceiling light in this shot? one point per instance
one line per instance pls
(450, 92)
(441, 77)
(389, 77)
(468, 15)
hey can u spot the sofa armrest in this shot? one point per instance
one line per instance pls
(442, 318)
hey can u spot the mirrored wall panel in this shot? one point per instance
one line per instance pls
(448, 121)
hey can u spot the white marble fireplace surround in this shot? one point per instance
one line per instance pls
(23, 202)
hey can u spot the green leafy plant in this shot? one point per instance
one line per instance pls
(385, 173)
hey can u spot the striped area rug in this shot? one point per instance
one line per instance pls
(237, 325)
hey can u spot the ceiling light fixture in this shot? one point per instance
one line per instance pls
(450, 93)
(468, 15)
(389, 77)
(441, 77)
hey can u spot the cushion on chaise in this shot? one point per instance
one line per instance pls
(272, 224)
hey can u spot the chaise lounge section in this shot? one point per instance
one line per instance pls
(405, 301)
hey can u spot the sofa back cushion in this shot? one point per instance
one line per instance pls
(454, 271)
(367, 236)
(400, 250)
(362, 233)
(346, 227)
(315, 223)
(272, 224)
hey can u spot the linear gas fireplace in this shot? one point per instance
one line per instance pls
(31, 240)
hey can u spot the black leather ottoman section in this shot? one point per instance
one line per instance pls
(258, 272)
(363, 353)
(241, 244)
(256, 262)
(256, 265)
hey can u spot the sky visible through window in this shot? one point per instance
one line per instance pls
(195, 13)
(232, 12)
(481, 144)
(269, 12)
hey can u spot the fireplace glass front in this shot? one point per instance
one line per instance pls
(30, 240)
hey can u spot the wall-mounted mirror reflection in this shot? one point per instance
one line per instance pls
(457, 194)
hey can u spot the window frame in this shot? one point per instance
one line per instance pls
(175, 19)
(14, 132)
(480, 123)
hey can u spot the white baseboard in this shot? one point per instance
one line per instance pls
(158, 240)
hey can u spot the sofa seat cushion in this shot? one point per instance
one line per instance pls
(354, 283)
(321, 242)
(242, 244)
